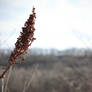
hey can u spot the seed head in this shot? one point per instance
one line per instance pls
(23, 41)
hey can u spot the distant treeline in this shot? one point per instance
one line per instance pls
(47, 57)
(40, 51)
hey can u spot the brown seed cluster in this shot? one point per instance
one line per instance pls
(23, 41)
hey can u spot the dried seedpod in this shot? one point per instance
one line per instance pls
(23, 41)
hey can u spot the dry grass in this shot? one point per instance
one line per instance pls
(52, 74)
(36, 80)
(55, 79)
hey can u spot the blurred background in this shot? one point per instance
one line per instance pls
(60, 59)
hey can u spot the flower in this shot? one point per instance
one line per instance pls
(23, 41)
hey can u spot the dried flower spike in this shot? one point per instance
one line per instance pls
(23, 41)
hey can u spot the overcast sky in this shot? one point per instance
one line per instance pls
(60, 24)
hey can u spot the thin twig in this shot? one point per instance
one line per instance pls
(3, 84)
(7, 80)
(24, 88)
(28, 83)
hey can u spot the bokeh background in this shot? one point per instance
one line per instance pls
(60, 59)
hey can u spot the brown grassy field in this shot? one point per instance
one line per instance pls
(48, 73)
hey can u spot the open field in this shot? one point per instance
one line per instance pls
(49, 73)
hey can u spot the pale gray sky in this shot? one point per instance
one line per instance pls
(60, 24)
